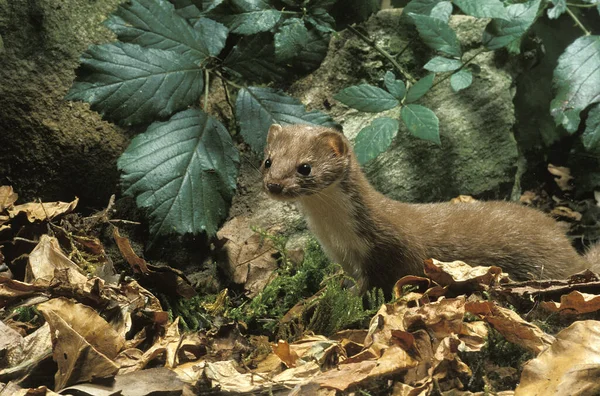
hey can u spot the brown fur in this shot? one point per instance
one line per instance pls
(378, 240)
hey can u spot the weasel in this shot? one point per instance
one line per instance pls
(378, 240)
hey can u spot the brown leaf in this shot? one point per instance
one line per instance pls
(574, 303)
(570, 366)
(463, 199)
(83, 343)
(14, 290)
(566, 213)
(47, 258)
(7, 197)
(563, 177)
(250, 257)
(443, 317)
(458, 272)
(347, 375)
(43, 210)
(283, 352)
(511, 325)
(137, 264)
(22, 354)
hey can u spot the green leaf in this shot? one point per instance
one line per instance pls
(254, 58)
(421, 7)
(213, 34)
(130, 84)
(154, 24)
(483, 8)
(591, 135)
(311, 56)
(188, 9)
(559, 8)
(366, 97)
(461, 79)
(209, 5)
(375, 139)
(420, 88)
(577, 81)
(442, 11)
(421, 122)
(501, 33)
(250, 17)
(320, 19)
(290, 39)
(183, 172)
(437, 34)
(440, 64)
(396, 87)
(258, 108)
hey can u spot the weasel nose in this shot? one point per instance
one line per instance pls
(275, 188)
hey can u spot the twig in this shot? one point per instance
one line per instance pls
(382, 52)
(573, 17)
(228, 100)
(581, 5)
(206, 80)
(460, 68)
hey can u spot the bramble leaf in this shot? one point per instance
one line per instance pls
(483, 8)
(437, 34)
(577, 81)
(461, 79)
(311, 56)
(250, 17)
(254, 58)
(420, 88)
(421, 7)
(396, 87)
(375, 139)
(155, 24)
(502, 33)
(130, 84)
(290, 39)
(559, 8)
(258, 108)
(442, 11)
(421, 122)
(591, 135)
(366, 97)
(213, 34)
(183, 172)
(440, 64)
(321, 20)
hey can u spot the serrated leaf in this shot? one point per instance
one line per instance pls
(130, 84)
(326, 4)
(188, 9)
(501, 33)
(396, 87)
(483, 8)
(183, 172)
(209, 5)
(421, 7)
(442, 11)
(250, 17)
(559, 8)
(375, 139)
(321, 20)
(254, 58)
(461, 79)
(437, 34)
(440, 64)
(311, 56)
(155, 24)
(577, 81)
(420, 88)
(591, 135)
(366, 97)
(213, 34)
(421, 122)
(258, 108)
(290, 39)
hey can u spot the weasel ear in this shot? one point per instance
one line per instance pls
(336, 142)
(273, 131)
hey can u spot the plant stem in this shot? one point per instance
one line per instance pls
(460, 68)
(206, 80)
(220, 75)
(382, 52)
(573, 17)
(228, 100)
(581, 5)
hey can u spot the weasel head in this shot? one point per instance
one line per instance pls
(302, 160)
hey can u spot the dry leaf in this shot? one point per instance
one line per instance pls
(463, 199)
(563, 177)
(570, 366)
(473, 335)
(574, 303)
(443, 317)
(11, 289)
(225, 375)
(137, 264)
(43, 210)
(567, 213)
(23, 354)
(458, 272)
(511, 326)
(283, 352)
(346, 376)
(250, 257)
(47, 258)
(528, 198)
(401, 389)
(7, 197)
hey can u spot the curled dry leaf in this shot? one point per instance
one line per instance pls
(287, 356)
(511, 325)
(7, 197)
(443, 317)
(47, 258)
(83, 343)
(463, 199)
(43, 210)
(574, 303)
(22, 354)
(563, 177)
(570, 366)
(458, 272)
(11, 290)
(564, 212)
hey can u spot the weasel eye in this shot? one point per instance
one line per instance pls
(304, 169)
(268, 163)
